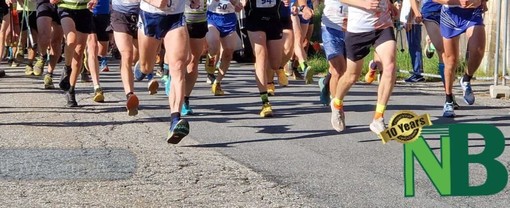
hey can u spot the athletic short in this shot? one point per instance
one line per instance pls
(197, 30)
(32, 21)
(272, 26)
(101, 23)
(158, 25)
(124, 23)
(333, 41)
(225, 23)
(82, 19)
(4, 9)
(46, 9)
(286, 23)
(432, 16)
(303, 21)
(455, 21)
(358, 45)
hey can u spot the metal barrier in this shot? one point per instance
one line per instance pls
(496, 90)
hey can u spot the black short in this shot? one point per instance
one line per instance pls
(101, 23)
(358, 45)
(46, 9)
(272, 26)
(82, 19)
(4, 9)
(124, 23)
(32, 21)
(286, 23)
(197, 30)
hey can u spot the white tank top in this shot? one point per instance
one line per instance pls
(220, 6)
(361, 20)
(173, 7)
(334, 14)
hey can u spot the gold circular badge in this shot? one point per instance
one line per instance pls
(405, 127)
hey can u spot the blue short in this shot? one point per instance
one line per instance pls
(157, 25)
(455, 20)
(432, 16)
(333, 41)
(303, 21)
(225, 23)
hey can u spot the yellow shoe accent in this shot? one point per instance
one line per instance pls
(216, 89)
(270, 89)
(210, 64)
(370, 76)
(282, 78)
(266, 111)
(28, 70)
(98, 95)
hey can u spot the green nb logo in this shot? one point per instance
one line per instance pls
(450, 176)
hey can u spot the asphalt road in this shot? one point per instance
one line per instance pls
(297, 150)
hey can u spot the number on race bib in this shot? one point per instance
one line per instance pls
(266, 3)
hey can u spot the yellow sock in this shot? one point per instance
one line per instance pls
(379, 111)
(337, 103)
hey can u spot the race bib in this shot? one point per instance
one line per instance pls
(266, 3)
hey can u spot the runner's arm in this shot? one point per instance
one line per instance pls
(417, 13)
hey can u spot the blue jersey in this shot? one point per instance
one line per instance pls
(102, 7)
(126, 6)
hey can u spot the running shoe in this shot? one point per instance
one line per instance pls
(415, 78)
(39, 65)
(324, 94)
(84, 76)
(139, 76)
(132, 103)
(98, 95)
(216, 89)
(186, 109)
(372, 70)
(308, 75)
(469, 96)
(282, 77)
(288, 70)
(177, 131)
(377, 126)
(210, 78)
(337, 118)
(297, 74)
(448, 111)
(71, 99)
(64, 79)
(210, 64)
(166, 79)
(270, 89)
(29, 70)
(429, 51)
(48, 82)
(153, 86)
(103, 65)
(266, 111)
(2, 73)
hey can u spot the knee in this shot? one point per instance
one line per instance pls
(351, 78)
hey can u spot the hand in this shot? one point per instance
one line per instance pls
(484, 6)
(470, 4)
(307, 13)
(372, 5)
(286, 3)
(195, 4)
(294, 10)
(236, 3)
(54, 1)
(91, 4)
(418, 18)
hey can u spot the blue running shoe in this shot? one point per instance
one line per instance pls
(137, 73)
(166, 81)
(469, 96)
(186, 109)
(177, 131)
(448, 110)
(150, 76)
(324, 96)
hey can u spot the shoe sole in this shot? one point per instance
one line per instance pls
(309, 76)
(176, 136)
(99, 98)
(49, 86)
(449, 116)
(153, 87)
(132, 104)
